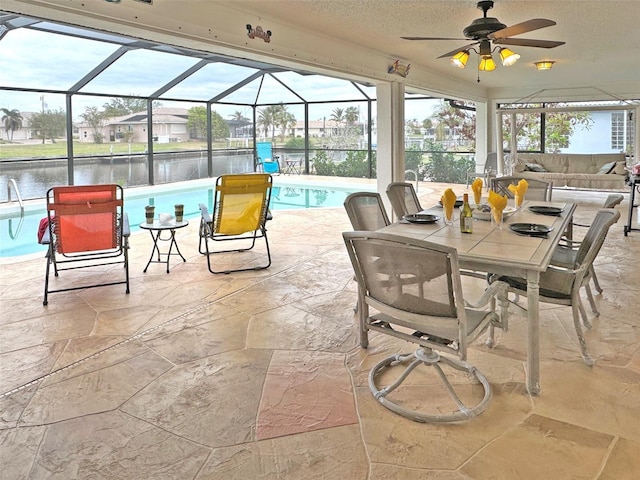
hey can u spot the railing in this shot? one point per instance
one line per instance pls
(15, 187)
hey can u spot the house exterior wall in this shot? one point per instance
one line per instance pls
(596, 139)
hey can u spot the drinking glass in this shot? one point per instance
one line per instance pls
(518, 201)
(179, 212)
(497, 219)
(448, 216)
(149, 213)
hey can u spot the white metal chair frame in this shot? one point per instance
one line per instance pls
(444, 322)
(538, 189)
(403, 198)
(561, 285)
(490, 170)
(567, 250)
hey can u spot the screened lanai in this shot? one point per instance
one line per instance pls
(84, 106)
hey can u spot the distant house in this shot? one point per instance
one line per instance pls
(20, 134)
(611, 132)
(169, 125)
(318, 128)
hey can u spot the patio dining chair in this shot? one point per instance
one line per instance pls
(240, 213)
(366, 211)
(489, 171)
(266, 161)
(87, 227)
(561, 285)
(439, 321)
(403, 198)
(567, 251)
(537, 190)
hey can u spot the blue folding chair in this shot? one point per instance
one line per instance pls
(266, 161)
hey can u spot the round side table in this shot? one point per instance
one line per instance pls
(156, 229)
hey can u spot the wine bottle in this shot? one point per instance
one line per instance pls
(466, 216)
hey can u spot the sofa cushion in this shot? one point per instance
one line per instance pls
(607, 168)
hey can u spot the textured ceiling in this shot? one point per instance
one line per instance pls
(602, 37)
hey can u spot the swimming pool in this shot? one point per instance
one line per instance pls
(18, 232)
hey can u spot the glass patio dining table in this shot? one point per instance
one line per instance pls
(502, 251)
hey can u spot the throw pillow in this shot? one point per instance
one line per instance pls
(620, 168)
(607, 168)
(534, 167)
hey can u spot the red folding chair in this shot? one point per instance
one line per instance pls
(87, 228)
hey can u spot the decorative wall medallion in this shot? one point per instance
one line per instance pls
(258, 33)
(399, 69)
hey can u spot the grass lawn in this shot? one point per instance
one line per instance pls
(59, 149)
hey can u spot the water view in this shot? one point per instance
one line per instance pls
(18, 232)
(34, 177)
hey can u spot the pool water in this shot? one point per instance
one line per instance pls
(18, 234)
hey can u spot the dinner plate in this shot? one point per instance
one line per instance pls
(482, 214)
(421, 218)
(531, 229)
(545, 210)
(458, 203)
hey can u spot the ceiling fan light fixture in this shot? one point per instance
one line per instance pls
(460, 59)
(486, 63)
(544, 64)
(508, 57)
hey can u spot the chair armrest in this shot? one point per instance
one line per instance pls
(46, 237)
(498, 289)
(583, 225)
(126, 229)
(568, 243)
(204, 212)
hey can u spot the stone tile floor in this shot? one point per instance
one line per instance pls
(259, 374)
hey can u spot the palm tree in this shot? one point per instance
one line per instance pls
(12, 120)
(352, 115)
(338, 115)
(238, 116)
(284, 119)
(267, 117)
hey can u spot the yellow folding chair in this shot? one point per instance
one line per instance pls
(240, 213)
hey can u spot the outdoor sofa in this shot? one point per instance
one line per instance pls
(604, 171)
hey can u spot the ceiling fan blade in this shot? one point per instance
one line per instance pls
(432, 38)
(524, 27)
(459, 49)
(527, 42)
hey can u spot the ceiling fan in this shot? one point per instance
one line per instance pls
(487, 30)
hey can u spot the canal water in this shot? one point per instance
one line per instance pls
(35, 176)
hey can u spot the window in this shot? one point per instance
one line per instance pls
(617, 131)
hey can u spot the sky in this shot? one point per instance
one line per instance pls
(42, 60)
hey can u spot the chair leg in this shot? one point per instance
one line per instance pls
(596, 284)
(503, 323)
(576, 306)
(126, 266)
(362, 314)
(46, 280)
(428, 357)
(592, 302)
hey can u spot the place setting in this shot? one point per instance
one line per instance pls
(546, 210)
(531, 229)
(420, 218)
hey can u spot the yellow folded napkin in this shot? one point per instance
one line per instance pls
(476, 186)
(519, 191)
(448, 203)
(498, 203)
